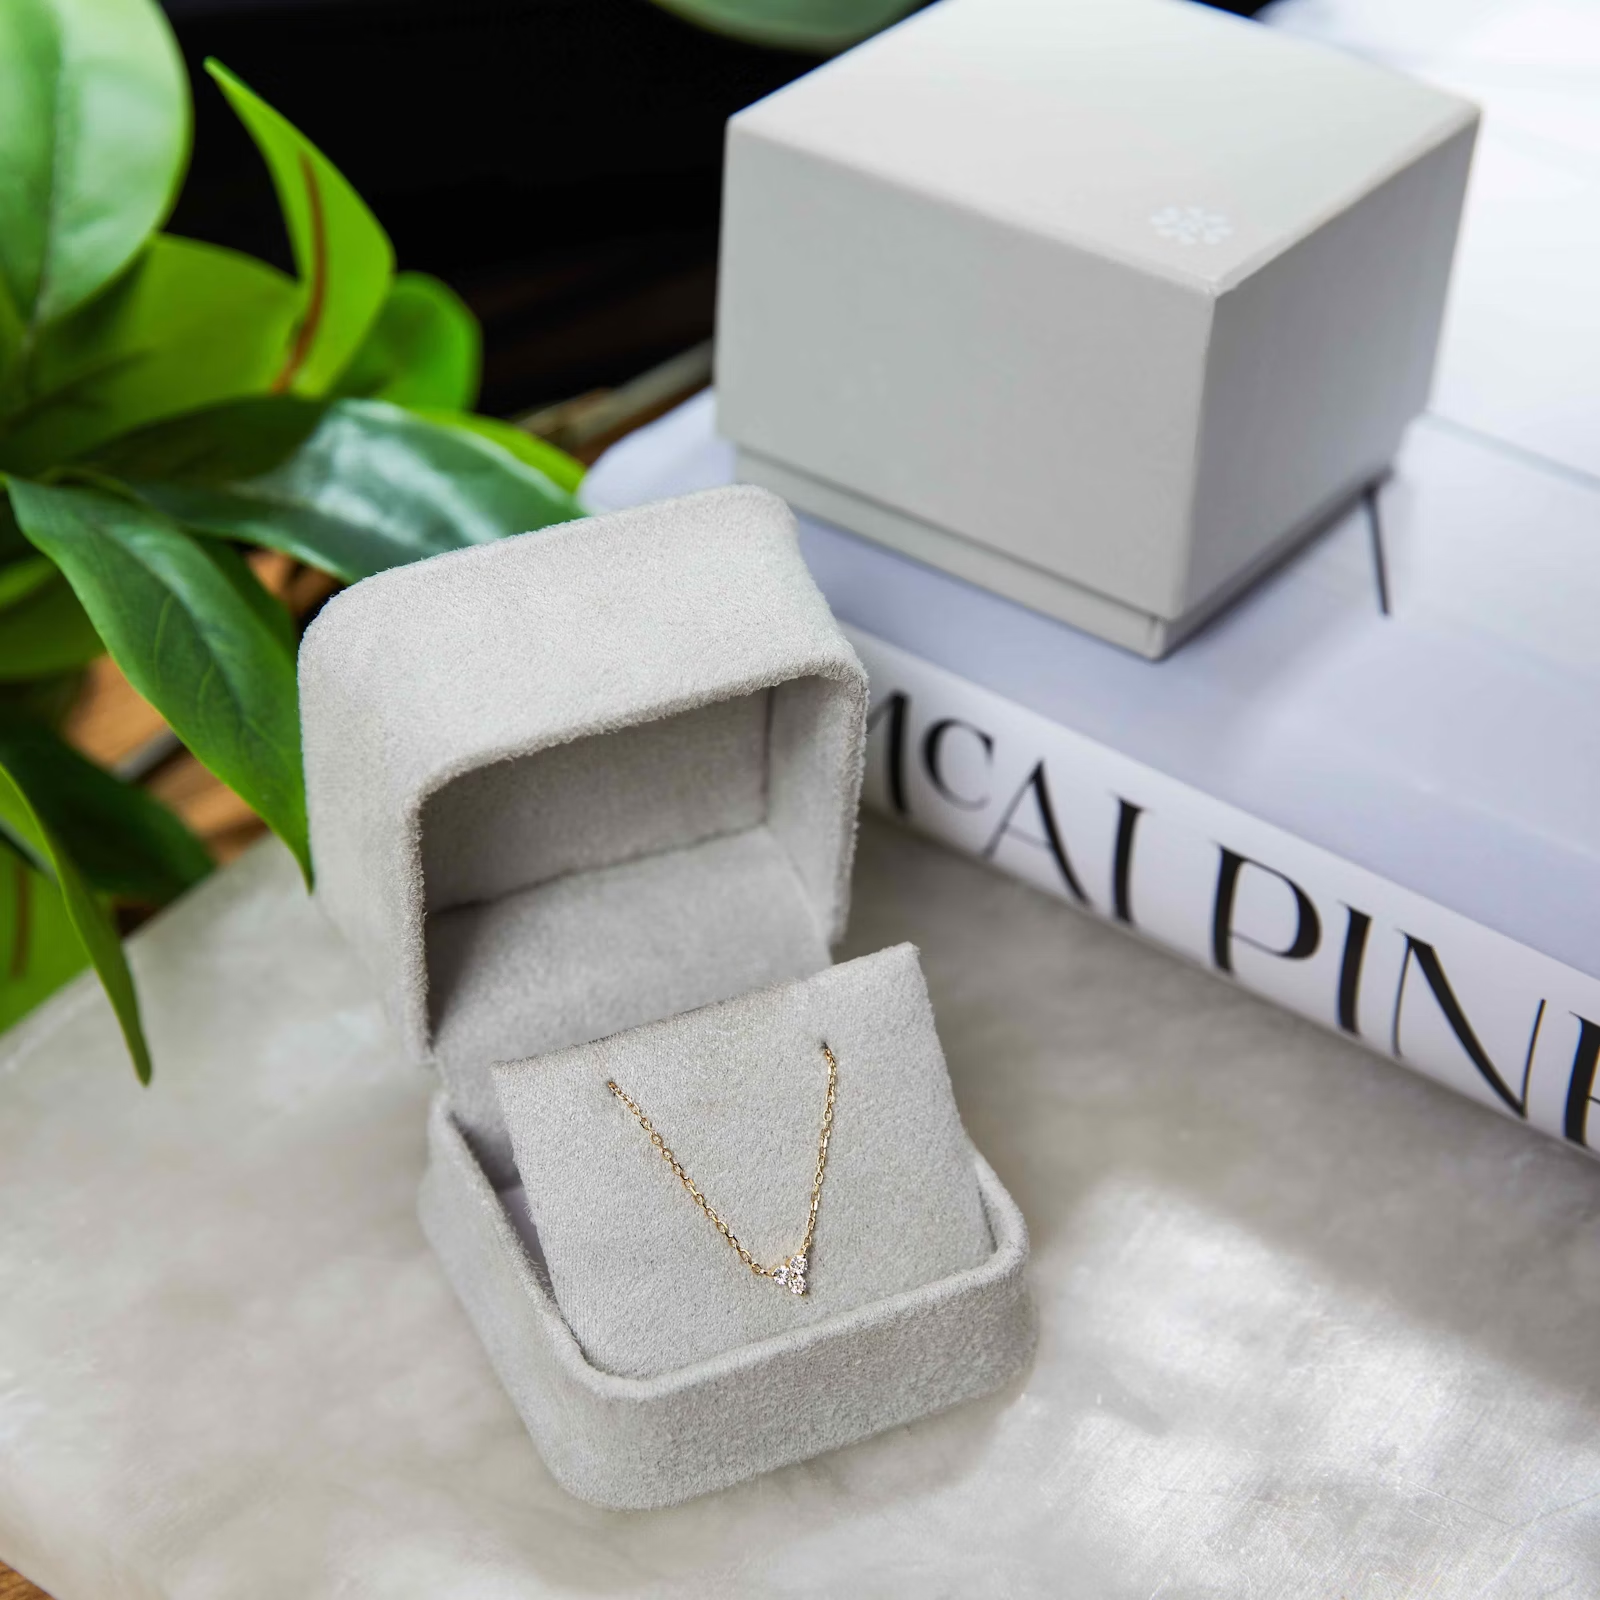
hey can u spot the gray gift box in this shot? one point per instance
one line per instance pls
(1105, 307)
(584, 802)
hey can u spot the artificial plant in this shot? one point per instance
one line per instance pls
(166, 405)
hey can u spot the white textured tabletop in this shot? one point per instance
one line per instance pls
(1309, 1326)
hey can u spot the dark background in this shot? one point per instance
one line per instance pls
(556, 161)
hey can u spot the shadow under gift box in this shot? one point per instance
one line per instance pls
(574, 783)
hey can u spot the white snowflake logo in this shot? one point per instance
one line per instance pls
(1190, 225)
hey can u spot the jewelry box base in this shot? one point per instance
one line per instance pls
(639, 1444)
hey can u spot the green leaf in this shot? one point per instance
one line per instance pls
(218, 444)
(21, 825)
(19, 579)
(370, 486)
(47, 633)
(425, 349)
(94, 136)
(344, 258)
(186, 326)
(815, 26)
(561, 469)
(268, 608)
(125, 841)
(184, 639)
(39, 948)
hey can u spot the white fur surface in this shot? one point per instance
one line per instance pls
(1309, 1325)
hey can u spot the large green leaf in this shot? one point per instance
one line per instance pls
(565, 471)
(344, 258)
(185, 639)
(187, 325)
(26, 833)
(370, 486)
(815, 26)
(94, 134)
(46, 633)
(425, 349)
(39, 948)
(216, 445)
(125, 841)
(268, 608)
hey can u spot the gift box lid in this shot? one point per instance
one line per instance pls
(583, 778)
(1194, 144)
(1101, 304)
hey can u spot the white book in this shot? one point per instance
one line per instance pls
(1372, 800)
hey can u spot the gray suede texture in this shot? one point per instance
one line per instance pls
(590, 778)
(516, 824)
(493, 736)
(737, 1090)
(599, 951)
(640, 1443)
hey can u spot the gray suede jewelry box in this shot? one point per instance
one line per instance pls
(593, 789)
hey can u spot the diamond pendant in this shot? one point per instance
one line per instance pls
(792, 1275)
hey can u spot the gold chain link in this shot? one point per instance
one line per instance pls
(700, 1200)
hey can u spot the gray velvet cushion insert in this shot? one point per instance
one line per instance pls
(737, 1089)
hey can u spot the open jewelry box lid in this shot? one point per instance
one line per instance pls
(582, 779)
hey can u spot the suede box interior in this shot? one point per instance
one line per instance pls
(571, 784)
(737, 1090)
(582, 779)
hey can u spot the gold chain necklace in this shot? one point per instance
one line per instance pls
(789, 1273)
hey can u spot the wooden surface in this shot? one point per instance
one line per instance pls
(13, 1586)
